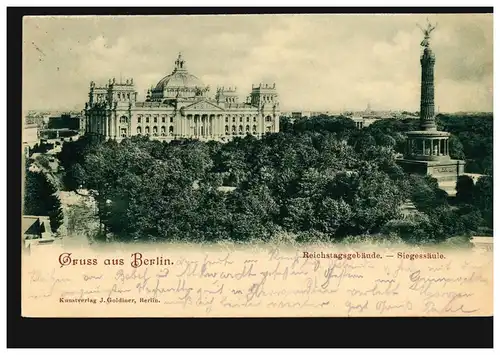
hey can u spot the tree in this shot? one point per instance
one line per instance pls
(286, 124)
(456, 148)
(40, 199)
(483, 198)
(54, 211)
(465, 190)
(74, 177)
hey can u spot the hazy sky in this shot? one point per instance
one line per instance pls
(318, 62)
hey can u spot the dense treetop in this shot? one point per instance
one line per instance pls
(318, 178)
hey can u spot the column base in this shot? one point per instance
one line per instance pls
(443, 170)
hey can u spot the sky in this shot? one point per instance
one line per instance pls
(318, 62)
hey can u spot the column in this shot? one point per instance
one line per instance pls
(222, 120)
(423, 146)
(203, 125)
(115, 128)
(200, 125)
(108, 122)
(195, 125)
(218, 125)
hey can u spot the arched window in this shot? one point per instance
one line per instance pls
(146, 130)
(171, 129)
(227, 127)
(268, 119)
(240, 128)
(254, 129)
(128, 96)
(123, 119)
(155, 131)
(233, 129)
(139, 130)
(247, 128)
(163, 131)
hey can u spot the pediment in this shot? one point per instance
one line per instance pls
(202, 105)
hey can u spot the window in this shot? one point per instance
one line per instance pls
(255, 119)
(123, 132)
(171, 130)
(171, 119)
(128, 96)
(139, 130)
(247, 128)
(163, 132)
(240, 128)
(147, 119)
(254, 129)
(123, 119)
(233, 129)
(248, 119)
(268, 119)
(139, 119)
(162, 119)
(155, 131)
(155, 119)
(268, 129)
(146, 130)
(241, 119)
(234, 119)
(227, 119)
(227, 128)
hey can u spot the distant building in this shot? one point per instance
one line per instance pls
(179, 106)
(31, 137)
(362, 122)
(65, 120)
(36, 230)
(37, 118)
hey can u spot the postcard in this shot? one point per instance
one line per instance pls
(265, 165)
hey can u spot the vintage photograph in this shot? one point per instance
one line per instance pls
(240, 165)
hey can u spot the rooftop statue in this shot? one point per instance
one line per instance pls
(427, 33)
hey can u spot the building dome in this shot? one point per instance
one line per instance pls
(179, 80)
(179, 83)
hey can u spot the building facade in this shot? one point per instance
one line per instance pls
(180, 107)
